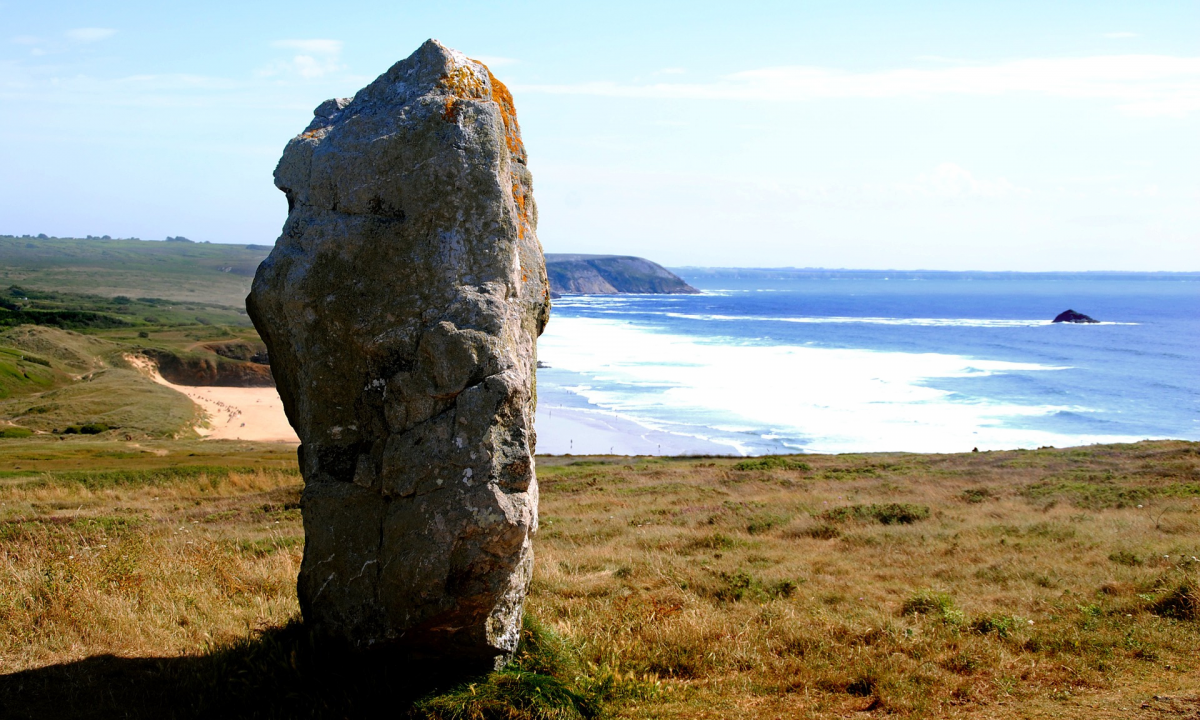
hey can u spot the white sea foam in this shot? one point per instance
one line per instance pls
(614, 304)
(921, 322)
(821, 399)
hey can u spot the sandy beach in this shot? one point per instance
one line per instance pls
(237, 413)
(231, 413)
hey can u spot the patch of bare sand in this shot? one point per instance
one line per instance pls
(231, 413)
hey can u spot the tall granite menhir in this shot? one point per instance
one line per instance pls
(401, 306)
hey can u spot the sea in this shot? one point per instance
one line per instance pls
(796, 361)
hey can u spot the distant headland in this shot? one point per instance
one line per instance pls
(572, 274)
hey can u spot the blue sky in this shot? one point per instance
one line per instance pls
(943, 135)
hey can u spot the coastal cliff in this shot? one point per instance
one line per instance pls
(611, 274)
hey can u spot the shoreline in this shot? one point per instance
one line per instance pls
(256, 414)
(563, 430)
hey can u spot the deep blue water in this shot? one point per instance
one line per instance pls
(923, 361)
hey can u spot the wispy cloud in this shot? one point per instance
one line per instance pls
(495, 60)
(26, 40)
(89, 34)
(318, 46)
(949, 180)
(1120, 35)
(318, 57)
(1139, 84)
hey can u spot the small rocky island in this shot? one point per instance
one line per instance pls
(1070, 316)
(610, 275)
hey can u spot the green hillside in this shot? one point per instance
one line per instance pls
(72, 310)
(176, 270)
(59, 381)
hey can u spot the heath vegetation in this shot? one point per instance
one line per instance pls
(1050, 583)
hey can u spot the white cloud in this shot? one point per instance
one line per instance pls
(670, 71)
(314, 46)
(949, 180)
(318, 57)
(1120, 35)
(1139, 84)
(495, 60)
(90, 34)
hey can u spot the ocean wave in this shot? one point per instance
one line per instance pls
(842, 320)
(821, 399)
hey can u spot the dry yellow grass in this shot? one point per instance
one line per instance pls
(1028, 591)
(1050, 583)
(145, 570)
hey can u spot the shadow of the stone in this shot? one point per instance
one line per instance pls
(283, 673)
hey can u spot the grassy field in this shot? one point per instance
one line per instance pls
(156, 579)
(205, 273)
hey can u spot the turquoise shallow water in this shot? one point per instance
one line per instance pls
(840, 361)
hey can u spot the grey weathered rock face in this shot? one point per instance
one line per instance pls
(401, 307)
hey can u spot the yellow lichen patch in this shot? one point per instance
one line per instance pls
(508, 113)
(462, 83)
(519, 192)
(500, 95)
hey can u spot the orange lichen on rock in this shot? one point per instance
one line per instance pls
(464, 83)
(508, 113)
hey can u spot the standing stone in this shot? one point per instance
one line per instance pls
(401, 307)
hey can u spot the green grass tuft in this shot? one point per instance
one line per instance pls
(541, 683)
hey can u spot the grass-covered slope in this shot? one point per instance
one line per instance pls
(60, 381)
(63, 360)
(140, 580)
(179, 271)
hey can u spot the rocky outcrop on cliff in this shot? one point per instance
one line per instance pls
(610, 274)
(401, 306)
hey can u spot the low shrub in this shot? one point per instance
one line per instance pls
(823, 531)
(771, 462)
(741, 585)
(86, 429)
(1182, 602)
(977, 495)
(762, 523)
(887, 514)
(1126, 558)
(716, 541)
(999, 625)
(15, 432)
(934, 604)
